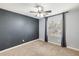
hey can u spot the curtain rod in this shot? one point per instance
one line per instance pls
(58, 14)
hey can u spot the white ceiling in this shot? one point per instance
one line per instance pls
(24, 8)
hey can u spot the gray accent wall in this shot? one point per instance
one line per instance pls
(16, 29)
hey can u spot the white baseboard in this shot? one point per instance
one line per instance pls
(55, 43)
(76, 49)
(41, 39)
(17, 46)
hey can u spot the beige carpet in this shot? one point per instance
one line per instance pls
(38, 48)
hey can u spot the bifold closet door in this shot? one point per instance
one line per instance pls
(54, 29)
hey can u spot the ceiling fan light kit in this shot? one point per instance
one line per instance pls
(39, 11)
(40, 15)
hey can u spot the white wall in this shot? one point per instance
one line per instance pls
(42, 29)
(57, 19)
(72, 29)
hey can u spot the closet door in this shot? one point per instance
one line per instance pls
(54, 29)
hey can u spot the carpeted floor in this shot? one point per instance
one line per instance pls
(38, 48)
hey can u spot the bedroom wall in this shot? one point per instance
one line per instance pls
(51, 39)
(16, 29)
(42, 29)
(72, 29)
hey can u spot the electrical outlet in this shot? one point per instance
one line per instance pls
(23, 40)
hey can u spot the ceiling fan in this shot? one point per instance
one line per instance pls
(40, 12)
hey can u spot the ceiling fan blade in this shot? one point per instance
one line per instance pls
(49, 11)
